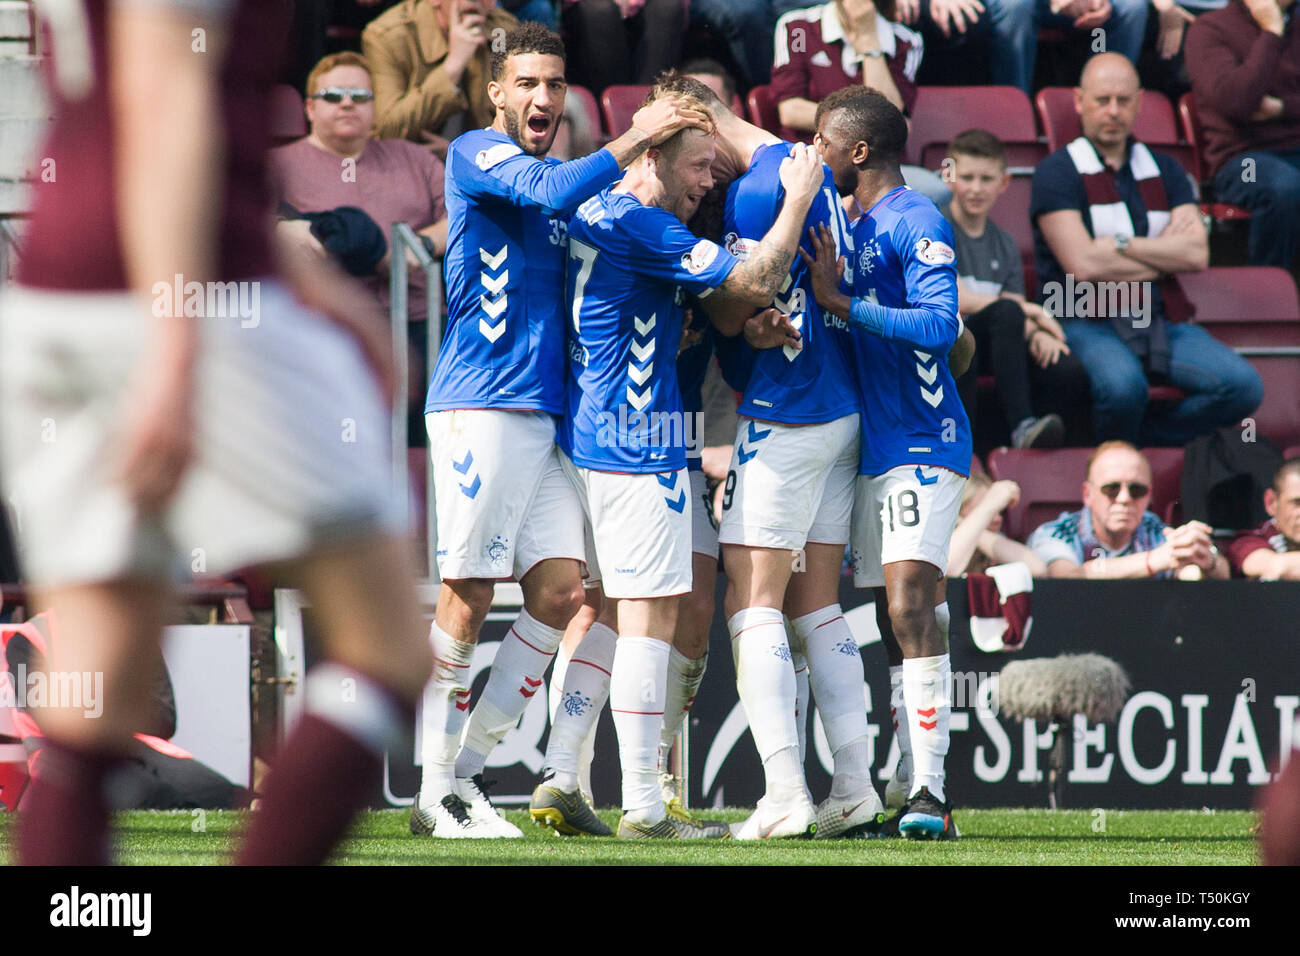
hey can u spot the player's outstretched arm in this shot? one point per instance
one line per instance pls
(759, 277)
(654, 123)
(506, 172)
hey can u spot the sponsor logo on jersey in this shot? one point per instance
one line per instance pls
(487, 158)
(935, 252)
(739, 246)
(700, 257)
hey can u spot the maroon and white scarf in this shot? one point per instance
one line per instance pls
(1109, 215)
(1000, 612)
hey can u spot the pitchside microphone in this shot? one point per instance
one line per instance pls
(1054, 689)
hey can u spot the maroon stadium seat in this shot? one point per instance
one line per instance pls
(1155, 124)
(288, 120)
(762, 108)
(1166, 479)
(1191, 125)
(1255, 309)
(1011, 212)
(941, 112)
(1022, 157)
(588, 104)
(1052, 482)
(619, 104)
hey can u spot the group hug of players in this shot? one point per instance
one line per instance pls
(563, 361)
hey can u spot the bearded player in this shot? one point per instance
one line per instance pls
(916, 445)
(504, 509)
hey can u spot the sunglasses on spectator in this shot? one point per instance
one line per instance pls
(1136, 490)
(335, 94)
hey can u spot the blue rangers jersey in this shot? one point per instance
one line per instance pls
(629, 268)
(814, 383)
(904, 321)
(504, 269)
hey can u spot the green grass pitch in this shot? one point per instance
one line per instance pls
(1026, 837)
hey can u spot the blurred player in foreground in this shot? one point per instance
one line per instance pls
(232, 417)
(504, 508)
(916, 444)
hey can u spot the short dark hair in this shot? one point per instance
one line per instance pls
(674, 81)
(707, 66)
(979, 143)
(528, 37)
(1290, 466)
(867, 116)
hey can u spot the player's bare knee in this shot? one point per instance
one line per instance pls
(556, 606)
(465, 603)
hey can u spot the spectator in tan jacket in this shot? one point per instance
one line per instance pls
(429, 60)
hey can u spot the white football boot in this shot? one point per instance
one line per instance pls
(473, 791)
(772, 821)
(858, 815)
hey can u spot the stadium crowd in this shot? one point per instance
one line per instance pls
(764, 140)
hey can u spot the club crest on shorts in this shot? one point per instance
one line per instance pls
(497, 550)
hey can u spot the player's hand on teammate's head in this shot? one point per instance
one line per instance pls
(801, 175)
(772, 329)
(669, 115)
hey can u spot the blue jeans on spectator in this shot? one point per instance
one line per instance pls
(1015, 24)
(538, 11)
(1222, 388)
(1269, 186)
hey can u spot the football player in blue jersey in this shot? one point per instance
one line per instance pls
(504, 509)
(631, 260)
(787, 505)
(916, 445)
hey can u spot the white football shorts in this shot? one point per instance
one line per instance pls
(790, 484)
(502, 501)
(291, 437)
(640, 528)
(906, 514)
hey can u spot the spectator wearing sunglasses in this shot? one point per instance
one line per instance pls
(338, 164)
(1115, 536)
